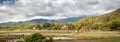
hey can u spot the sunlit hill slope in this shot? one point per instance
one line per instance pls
(109, 21)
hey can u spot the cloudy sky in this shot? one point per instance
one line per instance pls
(21, 10)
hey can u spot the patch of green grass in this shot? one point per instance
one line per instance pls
(117, 39)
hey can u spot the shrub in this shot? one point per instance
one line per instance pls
(37, 37)
(1, 40)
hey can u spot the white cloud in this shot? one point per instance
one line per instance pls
(54, 9)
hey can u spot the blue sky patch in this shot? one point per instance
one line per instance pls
(9, 2)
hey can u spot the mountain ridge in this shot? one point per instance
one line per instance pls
(41, 21)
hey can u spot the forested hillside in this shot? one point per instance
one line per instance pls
(109, 21)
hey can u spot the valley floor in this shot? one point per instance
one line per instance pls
(77, 36)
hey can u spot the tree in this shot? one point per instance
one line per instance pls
(70, 26)
(36, 26)
(46, 25)
(115, 25)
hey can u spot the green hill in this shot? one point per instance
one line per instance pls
(109, 21)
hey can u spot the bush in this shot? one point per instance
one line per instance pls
(1, 40)
(37, 37)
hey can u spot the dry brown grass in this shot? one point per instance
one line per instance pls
(80, 35)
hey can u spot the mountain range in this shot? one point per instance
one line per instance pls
(106, 21)
(41, 21)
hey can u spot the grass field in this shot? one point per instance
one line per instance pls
(116, 39)
(62, 33)
(89, 36)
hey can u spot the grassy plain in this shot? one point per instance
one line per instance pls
(68, 33)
